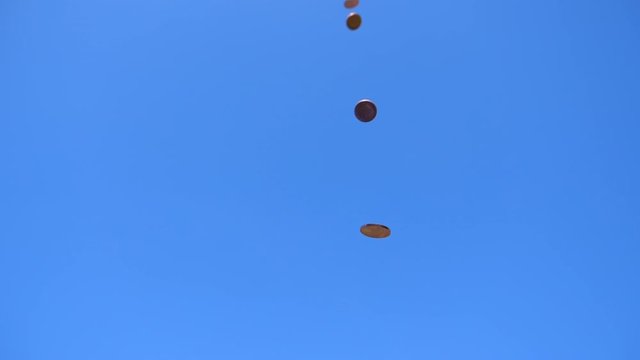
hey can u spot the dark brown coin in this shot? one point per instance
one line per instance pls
(375, 231)
(354, 21)
(366, 110)
(350, 4)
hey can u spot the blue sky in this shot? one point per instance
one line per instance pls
(186, 180)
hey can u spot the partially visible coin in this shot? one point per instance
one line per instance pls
(350, 4)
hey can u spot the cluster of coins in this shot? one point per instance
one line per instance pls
(365, 111)
(354, 20)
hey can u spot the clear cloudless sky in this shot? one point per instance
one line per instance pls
(186, 180)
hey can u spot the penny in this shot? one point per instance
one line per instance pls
(365, 110)
(375, 231)
(354, 20)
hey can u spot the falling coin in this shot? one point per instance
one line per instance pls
(375, 231)
(350, 4)
(365, 110)
(354, 20)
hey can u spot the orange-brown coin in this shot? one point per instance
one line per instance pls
(350, 4)
(354, 20)
(375, 231)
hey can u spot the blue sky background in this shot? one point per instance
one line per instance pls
(186, 180)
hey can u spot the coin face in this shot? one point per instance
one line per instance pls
(375, 231)
(350, 4)
(354, 20)
(365, 110)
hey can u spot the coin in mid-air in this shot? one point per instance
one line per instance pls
(375, 231)
(350, 4)
(354, 20)
(365, 110)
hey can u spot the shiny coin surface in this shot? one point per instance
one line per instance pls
(375, 231)
(365, 110)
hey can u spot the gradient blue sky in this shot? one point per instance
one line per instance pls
(186, 180)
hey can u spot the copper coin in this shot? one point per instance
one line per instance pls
(375, 231)
(366, 110)
(350, 4)
(354, 21)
